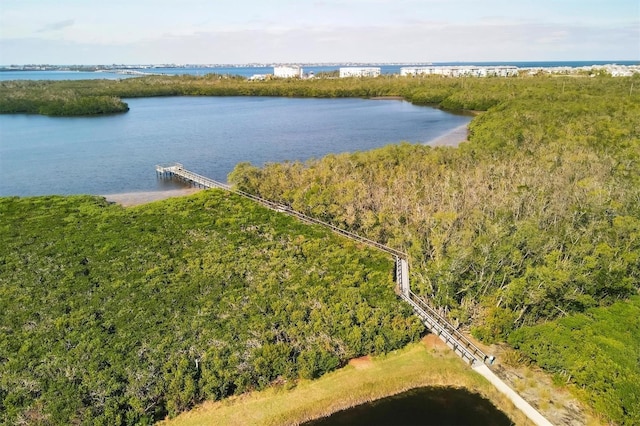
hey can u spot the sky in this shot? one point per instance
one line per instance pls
(316, 31)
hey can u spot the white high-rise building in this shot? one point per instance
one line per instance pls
(287, 71)
(359, 72)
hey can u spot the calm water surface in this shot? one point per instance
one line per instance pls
(422, 406)
(59, 75)
(209, 135)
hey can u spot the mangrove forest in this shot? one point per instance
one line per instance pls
(526, 234)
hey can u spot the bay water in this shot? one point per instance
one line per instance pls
(117, 153)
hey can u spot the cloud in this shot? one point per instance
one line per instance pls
(57, 26)
(419, 42)
(553, 37)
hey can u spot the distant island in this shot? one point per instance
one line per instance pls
(103, 96)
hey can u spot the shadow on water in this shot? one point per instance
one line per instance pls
(421, 406)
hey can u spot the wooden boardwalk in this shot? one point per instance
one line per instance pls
(442, 328)
(437, 324)
(177, 171)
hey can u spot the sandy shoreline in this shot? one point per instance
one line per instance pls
(387, 98)
(136, 198)
(452, 139)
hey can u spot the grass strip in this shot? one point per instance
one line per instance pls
(359, 382)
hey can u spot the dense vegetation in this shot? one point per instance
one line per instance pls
(121, 316)
(598, 350)
(40, 98)
(535, 218)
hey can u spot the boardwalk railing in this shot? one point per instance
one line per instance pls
(437, 324)
(445, 330)
(176, 170)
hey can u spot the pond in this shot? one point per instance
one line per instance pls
(421, 406)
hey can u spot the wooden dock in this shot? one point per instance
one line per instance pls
(177, 171)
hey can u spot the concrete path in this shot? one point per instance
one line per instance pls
(517, 400)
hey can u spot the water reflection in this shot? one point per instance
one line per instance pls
(421, 406)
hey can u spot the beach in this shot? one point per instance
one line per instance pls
(452, 138)
(136, 198)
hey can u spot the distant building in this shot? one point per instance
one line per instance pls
(412, 71)
(461, 71)
(286, 71)
(359, 72)
(613, 69)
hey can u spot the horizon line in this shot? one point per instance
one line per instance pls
(329, 63)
